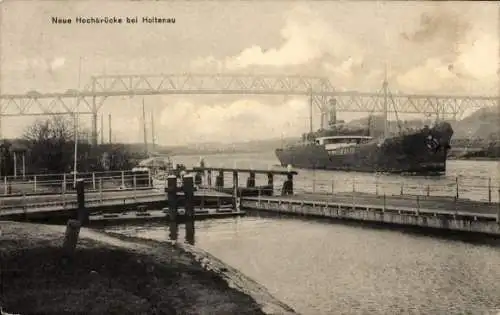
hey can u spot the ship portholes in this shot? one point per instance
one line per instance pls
(432, 143)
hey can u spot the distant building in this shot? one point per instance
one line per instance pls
(84, 137)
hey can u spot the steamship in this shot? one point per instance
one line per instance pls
(420, 151)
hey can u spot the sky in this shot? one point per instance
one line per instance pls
(426, 47)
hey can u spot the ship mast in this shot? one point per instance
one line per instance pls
(310, 111)
(386, 120)
(102, 129)
(109, 128)
(144, 127)
(153, 138)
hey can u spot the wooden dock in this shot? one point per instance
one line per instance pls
(52, 206)
(430, 212)
(444, 213)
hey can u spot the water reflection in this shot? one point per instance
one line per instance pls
(174, 231)
(188, 231)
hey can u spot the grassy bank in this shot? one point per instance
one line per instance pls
(107, 276)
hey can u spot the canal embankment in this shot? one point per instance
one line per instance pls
(124, 275)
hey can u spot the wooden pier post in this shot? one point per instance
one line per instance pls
(235, 189)
(63, 196)
(197, 179)
(123, 179)
(172, 197)
(71, 238)
(418, 205)
(34, 183)
(100, 190)
(15, 165)
(173, 230)
(83, 215)
(25, 207)
(456, 185)
(489, 190)
(188, 188)
(287, 188)
(65, 185)
(209, 178)
(383, 209)
(428, 190)
(219, 181)
(189, 237)
(93, 182)
(251, 180)
(5, 186)
(24, 165)
(134, 180)
(270, 184)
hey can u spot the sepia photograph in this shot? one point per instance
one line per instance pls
(249, 157)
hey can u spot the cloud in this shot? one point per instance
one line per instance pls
(306, 39)
(479, 57)
(473, 68)
(432, 75)
(240, 120)
(57, 63)
(443, 52)
(441, 25)
(37, 64)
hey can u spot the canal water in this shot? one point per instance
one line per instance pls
(477, 180)
(324, 268)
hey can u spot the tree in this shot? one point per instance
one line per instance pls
(51, 150)
(51, 145)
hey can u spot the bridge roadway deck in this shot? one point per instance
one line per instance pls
(403, 201)
(54, 203)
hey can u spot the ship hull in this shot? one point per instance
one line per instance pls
(422, 151)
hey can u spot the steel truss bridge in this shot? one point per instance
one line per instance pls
(90, 99)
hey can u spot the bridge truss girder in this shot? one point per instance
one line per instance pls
(321, 88)
(91, 98)
(413, 104)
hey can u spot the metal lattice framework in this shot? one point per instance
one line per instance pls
(91, 98)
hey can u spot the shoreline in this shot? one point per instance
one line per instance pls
(233, 277)
(112, 272)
